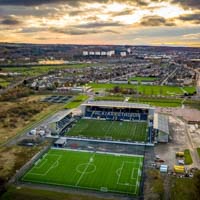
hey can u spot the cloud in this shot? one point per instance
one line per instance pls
(81, 11)
(27, 11)
(192, 36)
(99, 25)
(112, 21)
(28, 2)
(32, 30)
(156, 20)
(69, 2)
(194, 4)
(121, 13)
(88, 28)
(10, 21)
(194, 18)
(79, 31)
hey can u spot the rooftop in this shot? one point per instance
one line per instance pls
(120, 104)
(58, 116)
(60, 141)
(161, 122)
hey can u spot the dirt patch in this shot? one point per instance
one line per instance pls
(13, 158)
(154, 185)
(15, 116)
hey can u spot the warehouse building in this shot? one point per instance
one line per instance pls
(161, 127)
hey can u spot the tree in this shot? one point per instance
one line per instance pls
(116, 89)
(196, 183)
(56, 84)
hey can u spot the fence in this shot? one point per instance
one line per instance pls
(28, 165)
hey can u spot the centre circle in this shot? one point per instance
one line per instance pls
(86, 168)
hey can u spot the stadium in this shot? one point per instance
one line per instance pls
(102, 151)
(126, 121)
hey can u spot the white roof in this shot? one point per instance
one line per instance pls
(60, 141)
(119, 104)
(161, 122)
(59, 116)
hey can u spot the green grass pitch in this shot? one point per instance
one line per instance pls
(88, 170)
(134, 131)
(147, 89)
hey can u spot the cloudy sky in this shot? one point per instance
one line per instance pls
(136, 22)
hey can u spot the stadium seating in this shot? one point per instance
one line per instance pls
(62, 123)
(113, 114)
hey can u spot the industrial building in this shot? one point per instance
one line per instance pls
(60, 143)
(161, 127)
(98, 53)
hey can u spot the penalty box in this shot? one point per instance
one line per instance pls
(128, 173)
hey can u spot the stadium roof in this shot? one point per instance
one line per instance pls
(60, 141)
(59, 116)
(119, 104)
(161, 122)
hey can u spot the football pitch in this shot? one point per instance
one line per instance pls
(134, 131)
(104, 172)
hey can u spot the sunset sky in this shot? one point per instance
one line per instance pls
(134, 22)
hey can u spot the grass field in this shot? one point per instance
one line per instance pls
(156, 101)
(139, 79)
(4, 84)
(161, 102)
(37, 70)
(198, 151)
(110, 98)
(134, 131)
(187, 156)
(181, 189)
(147, 89)
(23, 193)
(77, 101)
(88, 170)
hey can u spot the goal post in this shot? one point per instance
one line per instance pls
(104, 189)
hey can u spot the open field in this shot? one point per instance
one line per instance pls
(182, 189)
(139, 79)
(198, 151)
(154, 101)
(14, 157)
(110, 98)
(147, 89)
(16, 193)
(77, 101)
(17, 117)
(187, 157)
(4, 84)
(134, 131)
(161, 102)
(154, 185)
(37, 70)
(88, 170)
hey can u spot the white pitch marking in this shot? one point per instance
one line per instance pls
(54, 165)
(137, 179)
(87, 165)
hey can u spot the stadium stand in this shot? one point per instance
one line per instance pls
(60, 121)
(120, 111)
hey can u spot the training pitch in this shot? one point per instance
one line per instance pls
(113, 173)
(134, 131)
